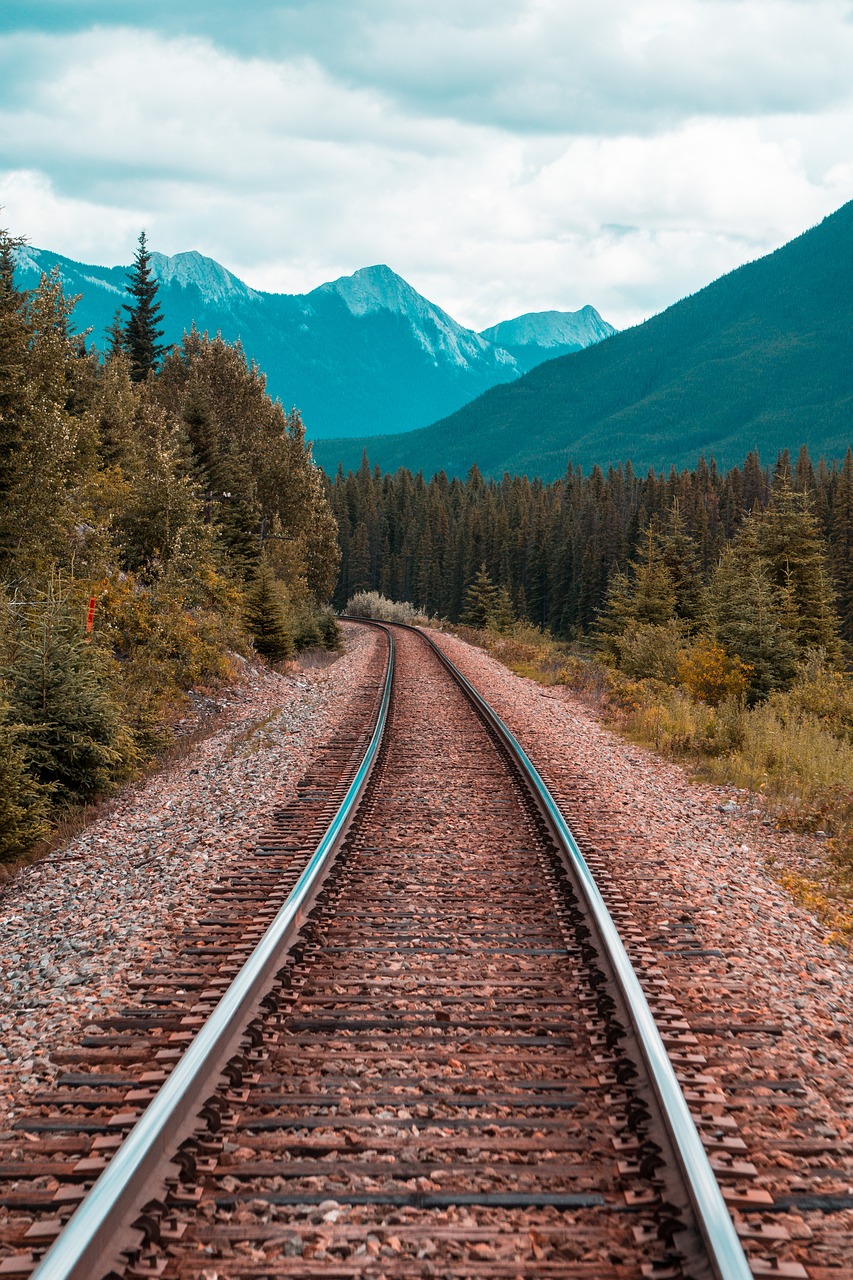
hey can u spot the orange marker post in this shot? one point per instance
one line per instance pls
(90, 616)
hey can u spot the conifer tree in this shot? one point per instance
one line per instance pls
(13, 347)
(788, 538)
(22, 806)
(266, 616)
(502, 616)
(116, 344)
(142, 333)
(115, 402)
(645, 596)
(49, 444)
(480, 597)
(842, 545)
(679, 554)
(60, 693)
(747, 618)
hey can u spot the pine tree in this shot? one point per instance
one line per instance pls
(22, 806)
(481, 597)
(116, 343)
(646, 595)
(788, 538)
(48, 441)
(842, 545)
(13, 349)
(680, 555)
(141, 332)
(60, 693)
(266, 616)
(747, 618)
(502, 616)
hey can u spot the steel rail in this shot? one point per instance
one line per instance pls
(720, 1239)
(91, 1243)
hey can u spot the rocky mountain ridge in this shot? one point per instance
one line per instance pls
(365, 353)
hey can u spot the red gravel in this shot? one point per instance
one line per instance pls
(699, 884)
(765, 993)
(82, 923)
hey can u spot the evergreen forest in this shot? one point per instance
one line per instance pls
(569, 555)
(160, 517)
(706, 614)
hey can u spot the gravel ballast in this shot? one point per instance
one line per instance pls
(757, 978)
(696, 865)
(81, 923)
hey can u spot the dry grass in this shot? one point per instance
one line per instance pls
(795, 750)
(830, 902)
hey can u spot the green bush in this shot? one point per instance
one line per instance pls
(330, 631)
(651, 651)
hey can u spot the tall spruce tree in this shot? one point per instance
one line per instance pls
(61, 695)
(481, 597)
(747, 616)
(842, 545)
(266, 615)
(789, 539)
(141, 332)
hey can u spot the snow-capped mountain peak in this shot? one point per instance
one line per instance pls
(374, 289)
(213, 281)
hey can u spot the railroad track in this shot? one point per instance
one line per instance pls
(440, 1066)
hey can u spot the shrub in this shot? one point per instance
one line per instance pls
(330, 631)
(370, 604)
(165, 644)
(306, 633)
(707, 672)
(651, 651)
(793, 758)
(820, 691)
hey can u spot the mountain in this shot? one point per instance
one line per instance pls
(365, 353)
(760, 359)
(557, 332)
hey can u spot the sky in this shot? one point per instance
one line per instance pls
(503, 157)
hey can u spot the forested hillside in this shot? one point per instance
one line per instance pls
(758, 360)
(158, 514)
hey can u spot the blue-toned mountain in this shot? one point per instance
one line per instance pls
(365, 354)
(760, 359)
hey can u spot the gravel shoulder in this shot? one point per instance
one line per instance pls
(83, 922)
(709, 858)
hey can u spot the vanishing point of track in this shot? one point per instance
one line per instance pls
(438, 1064)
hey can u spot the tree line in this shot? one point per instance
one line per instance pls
(575, 556)
(159, 513)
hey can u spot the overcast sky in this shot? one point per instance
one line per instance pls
(502, 156)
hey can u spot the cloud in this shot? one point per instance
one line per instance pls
(82, 229)
(503, 157)
(530, 65)
(565, 66)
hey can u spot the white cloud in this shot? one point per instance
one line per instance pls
(82, 229)
(503, 157)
